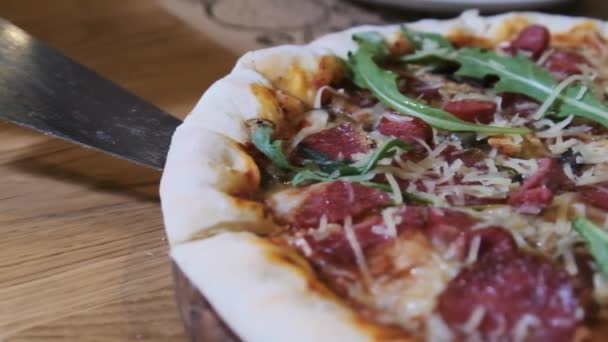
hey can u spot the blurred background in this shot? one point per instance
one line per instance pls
(83, 255)
(242, 25)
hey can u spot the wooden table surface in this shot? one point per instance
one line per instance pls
(82, 249)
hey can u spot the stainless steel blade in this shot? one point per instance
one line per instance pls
(46, 91)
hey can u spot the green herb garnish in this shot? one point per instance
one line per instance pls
(261, 137)
(320, 168)
(359, 169)
(383, 84)
(517, 74)
(597, 239)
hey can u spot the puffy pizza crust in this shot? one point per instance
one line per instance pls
(208, 177)
(285, 304)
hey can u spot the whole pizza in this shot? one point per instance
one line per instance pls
(443, 180)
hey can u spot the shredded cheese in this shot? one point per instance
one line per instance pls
(446, 179)
(556, 93)
(555, 129)
(523, 326)
(544, 57)
(395, 188)
(319, 95)
(473, 250)
(351, 237)
(470, 326)
(390, 222)
(316, 121)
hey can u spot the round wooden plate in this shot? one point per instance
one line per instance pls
(201, 322)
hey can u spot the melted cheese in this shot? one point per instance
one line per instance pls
(410, 298)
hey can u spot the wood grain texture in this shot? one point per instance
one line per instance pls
(83, 255)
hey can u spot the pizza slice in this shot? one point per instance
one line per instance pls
(435, 181)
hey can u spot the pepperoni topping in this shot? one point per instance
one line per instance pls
(445, 225)
(562, 64)
(410, 129)
(596, 195)
(418, 88)
(533, 39)
(550, 174)
(537, 191)
(497, 292)
(532, 201)
(337, 200)
(472, 110)
(492, 241)
(336, 248)
(517, 104)
(339, 142)
(470, 157)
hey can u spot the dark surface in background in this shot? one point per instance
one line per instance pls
(587, 8)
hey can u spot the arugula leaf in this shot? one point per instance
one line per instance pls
(261, 139)
(383, 84)
(594, 109)
(425, 40)
(320, 160)
(386, 150)
(330, 170)
(308, 175)
(597, 239)
(521, 75)
(362, 168)
(518, 74)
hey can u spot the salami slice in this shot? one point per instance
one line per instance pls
(370, 232)
(339, 142)
(596, 195)
(537, 191)
(562, 64)
(336, 201)
(508, 297)
(533, 39)
(472, 110)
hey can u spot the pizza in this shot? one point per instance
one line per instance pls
(442, 180)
